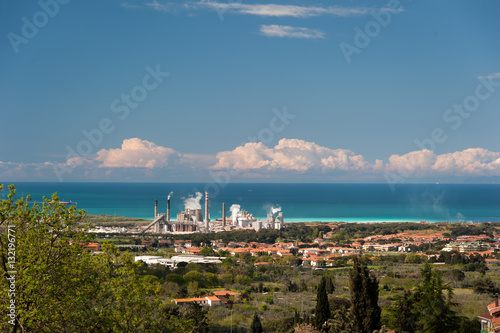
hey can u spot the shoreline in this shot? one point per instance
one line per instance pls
(109, 219)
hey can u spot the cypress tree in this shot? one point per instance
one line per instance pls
(256, 326)
(322, 305)
(364, 297)
(330, 288)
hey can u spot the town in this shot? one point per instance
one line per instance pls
(276, 271)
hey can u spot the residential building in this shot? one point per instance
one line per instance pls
(490, 321)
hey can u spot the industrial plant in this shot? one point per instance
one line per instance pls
(191, 219)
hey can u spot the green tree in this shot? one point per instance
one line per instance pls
(207, 251)
(194, 276)
(122, 300)
(329, 286)
(342, 321)
(469, 325)
(198, 316)
(60, 286)
(402, 313)
(435, 303)
(256, 326)
(49, 262)
(322, 305)
(455, 275)
(171, 321)
(485, 286)
(364, 297)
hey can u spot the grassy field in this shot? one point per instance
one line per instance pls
(118, 221)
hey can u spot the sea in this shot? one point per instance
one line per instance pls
(298, 202)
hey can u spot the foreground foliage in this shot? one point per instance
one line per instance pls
(61, 287)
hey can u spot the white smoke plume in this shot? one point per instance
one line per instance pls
(275, 210)
(193, 202)
(235, 209)
(169, 195)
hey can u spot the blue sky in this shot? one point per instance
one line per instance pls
(234, 70)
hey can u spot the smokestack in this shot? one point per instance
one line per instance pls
(207, 217)
(223, 214)
(168, 208)
(156, 208)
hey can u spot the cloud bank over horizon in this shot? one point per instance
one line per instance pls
(139, 159)
(136, 153)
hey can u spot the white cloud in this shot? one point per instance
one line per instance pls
(136, 153)
(412, 162)
(489, 76)
(300, 156)
(284, 10)
(264, 10)
(138, 158)
(274, 30)
(290, 155)
(472, 161)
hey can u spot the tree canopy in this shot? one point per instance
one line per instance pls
(364, 298)
(61, 287)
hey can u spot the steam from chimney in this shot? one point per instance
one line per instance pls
(170, 195)
(275, 210)
(235, 209)
(193, 202)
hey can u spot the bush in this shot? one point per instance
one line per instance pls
(485, 286)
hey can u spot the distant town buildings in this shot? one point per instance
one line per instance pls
(175, 260)
(466, 247)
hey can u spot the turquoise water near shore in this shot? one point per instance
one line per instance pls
(299, 202)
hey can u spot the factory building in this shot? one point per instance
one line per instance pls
(191, 220)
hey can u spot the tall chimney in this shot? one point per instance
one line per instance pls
(156, 208)
(207, 217)
(168, 208)
(223, 214)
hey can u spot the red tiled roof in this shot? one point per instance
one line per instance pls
(187, 300)
(493, 309)
(224, 293)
